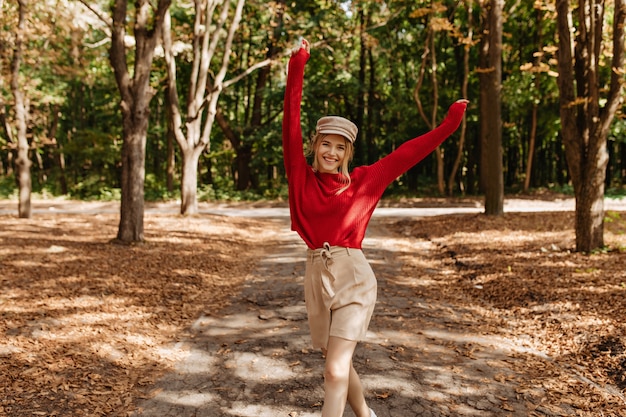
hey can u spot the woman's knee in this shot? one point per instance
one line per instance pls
(335, 372)
(339, 359)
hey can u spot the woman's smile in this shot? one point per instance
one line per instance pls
(330, 153)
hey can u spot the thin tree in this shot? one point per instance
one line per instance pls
(22, 162)
(490, 74)
(211, 24)
(589, 98)
(467, 42)
(429, 58)
(536, 70)
(3, 122)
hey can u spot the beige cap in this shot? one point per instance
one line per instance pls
(329, 125)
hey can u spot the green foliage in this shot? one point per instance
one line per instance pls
(566, 189)
(616, 192)
(8, 188)
(155, 189)
(219, 192)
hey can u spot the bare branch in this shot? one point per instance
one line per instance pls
(105, 19)
(248, 71)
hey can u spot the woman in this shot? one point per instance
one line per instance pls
(330, 209)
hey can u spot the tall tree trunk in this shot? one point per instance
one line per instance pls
(360, 154)
(431, 122)
(368, 131)
(533, 125)
(490, 108)
(136, 95)
(171, 154)
(585, 125)
(22, 162)
(439, 152)
(3, 121)
(452, 179)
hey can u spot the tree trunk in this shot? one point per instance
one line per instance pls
(242, 164)
(171, 154)
(133, 178)
(531, 147)
(439, 152)
(189, 181)
(589, 223)
(622, 163)
(452, 179)
(490, 109)
(22, 162)
(61, 163)
(585, 125)
(360, 153)
(533, 126)
(429, 57)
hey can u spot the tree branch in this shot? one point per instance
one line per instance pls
(105, 19)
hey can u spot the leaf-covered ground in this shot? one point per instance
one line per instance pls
(523, 280)
(86, 324)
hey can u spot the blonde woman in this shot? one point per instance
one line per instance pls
(330, 209)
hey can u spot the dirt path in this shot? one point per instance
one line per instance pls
(254, 358)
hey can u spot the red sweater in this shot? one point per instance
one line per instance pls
(318, 214)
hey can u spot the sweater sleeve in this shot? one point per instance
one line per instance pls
(293, 150)
(413, 151)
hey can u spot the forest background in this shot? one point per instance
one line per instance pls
(71, 69)
(117, 100)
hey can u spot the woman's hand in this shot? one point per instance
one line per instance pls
(304, 44)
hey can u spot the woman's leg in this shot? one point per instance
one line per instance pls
(356, 398)
(341, 382)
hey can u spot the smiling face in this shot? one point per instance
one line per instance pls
(330, 153)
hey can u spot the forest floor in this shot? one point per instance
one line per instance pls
(476, 315)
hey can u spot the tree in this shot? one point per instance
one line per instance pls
(22, 161)
(3, 122)
(136, 93)
(590, 84)
(429, 59)
(536, 68)
(467, 42)
(490, 75)
(245, 138)
(203, 92)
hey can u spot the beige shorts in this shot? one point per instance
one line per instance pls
(340, 293)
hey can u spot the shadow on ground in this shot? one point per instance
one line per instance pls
(420, 359)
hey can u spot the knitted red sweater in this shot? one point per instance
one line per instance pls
(318, 214)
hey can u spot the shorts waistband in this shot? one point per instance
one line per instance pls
(327, 251)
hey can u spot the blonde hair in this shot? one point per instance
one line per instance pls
(343, 169)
